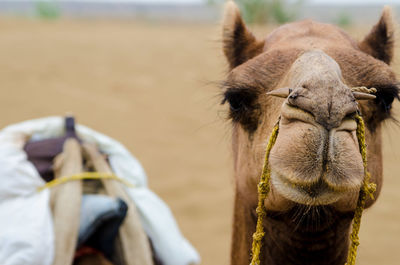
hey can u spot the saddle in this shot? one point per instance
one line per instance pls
(95, 221)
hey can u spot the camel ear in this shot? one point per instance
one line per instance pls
(239, 43)
(380, 41)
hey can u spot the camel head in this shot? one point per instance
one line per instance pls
(304, 73)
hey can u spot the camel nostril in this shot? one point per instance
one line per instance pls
(294, 95)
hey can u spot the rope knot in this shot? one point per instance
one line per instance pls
(371, 188)
(263, 187)
(258, 235)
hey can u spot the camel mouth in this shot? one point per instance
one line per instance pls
(317, 193)
(313, 165)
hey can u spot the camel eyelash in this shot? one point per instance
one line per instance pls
(385, 96)
(239, 97)
(243, 106)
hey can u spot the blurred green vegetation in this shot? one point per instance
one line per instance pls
(344, 19)
(47, 9)
(262, 11)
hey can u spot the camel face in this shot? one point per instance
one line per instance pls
(316, 158)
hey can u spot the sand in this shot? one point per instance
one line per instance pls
(151, 85)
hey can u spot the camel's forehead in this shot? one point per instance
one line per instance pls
(308, 34)
(357, 68)
(287, 43)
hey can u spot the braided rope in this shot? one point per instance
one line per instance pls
(264, 187)
(364, 89)
(366, 189)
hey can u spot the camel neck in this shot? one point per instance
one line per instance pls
(304, 235)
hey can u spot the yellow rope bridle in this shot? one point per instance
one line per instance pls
(367, 188)
(264, 187)
(82, 176)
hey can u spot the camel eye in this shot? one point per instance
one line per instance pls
(235, 100)
(240, 102)
(385, 97)
(243, 107)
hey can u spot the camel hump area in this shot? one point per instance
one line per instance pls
(69, 193)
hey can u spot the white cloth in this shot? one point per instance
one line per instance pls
(26, 231)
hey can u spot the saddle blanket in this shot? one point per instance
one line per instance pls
(26, 230)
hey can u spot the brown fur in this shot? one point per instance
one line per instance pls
(320, 63)
(239, 44)
(380, 41)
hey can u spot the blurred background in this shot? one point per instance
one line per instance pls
(145, 73)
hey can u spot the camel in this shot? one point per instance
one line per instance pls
(302, 74)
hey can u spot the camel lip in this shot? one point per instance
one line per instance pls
(318, 193)
(292, 113)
